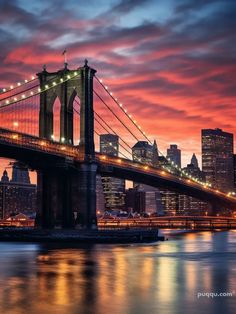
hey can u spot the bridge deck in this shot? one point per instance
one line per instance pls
(113, 166)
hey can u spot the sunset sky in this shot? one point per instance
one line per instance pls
(171, 62)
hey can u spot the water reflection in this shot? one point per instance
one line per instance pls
(159, 278)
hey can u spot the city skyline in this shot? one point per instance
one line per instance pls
(186, 83)
(117, 165)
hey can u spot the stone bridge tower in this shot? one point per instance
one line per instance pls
(75, 195)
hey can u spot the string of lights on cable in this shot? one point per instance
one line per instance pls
(17, 85)
(10, 100)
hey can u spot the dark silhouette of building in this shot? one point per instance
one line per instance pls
(135, 200)
(20, 173)
(194, 161)
(113, 188)
(217, 158)
(5, 177)
(174, 154)
(194, 170)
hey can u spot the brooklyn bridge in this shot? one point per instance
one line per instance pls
(67, 164)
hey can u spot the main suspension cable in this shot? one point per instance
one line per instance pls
(102, 100)
(76, 111)
(19, 84)
(109, 127)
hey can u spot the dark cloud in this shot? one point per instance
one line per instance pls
(180, 69)
(125, 6)
(185, 6)
(12, 14)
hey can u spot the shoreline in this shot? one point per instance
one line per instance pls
(79, 236)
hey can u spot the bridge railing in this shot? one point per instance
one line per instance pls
(129, 164)
(33, 142)
(36, 143)
(188, 222)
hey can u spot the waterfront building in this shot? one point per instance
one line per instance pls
(16, 195)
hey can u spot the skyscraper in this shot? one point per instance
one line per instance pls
(143, 152)
(217, 158)
(194, 161)
(16, 196)
(113, 188)
(155, 154)
(170, 199)
(109, 144)
(174, 154)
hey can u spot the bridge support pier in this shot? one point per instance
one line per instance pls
(54, 200)
(58, 193)
(87, 195)
(65, 200)
(45, 215)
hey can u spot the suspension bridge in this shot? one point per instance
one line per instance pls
(51, 122)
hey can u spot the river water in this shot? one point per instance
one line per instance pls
(165, 277)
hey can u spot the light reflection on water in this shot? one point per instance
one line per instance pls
(164, 277)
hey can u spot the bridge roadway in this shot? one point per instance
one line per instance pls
(172, 222)
(40, 154)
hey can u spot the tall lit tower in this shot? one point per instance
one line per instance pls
(113, 188)
(217, 158)
(143, 152)
(174, 154)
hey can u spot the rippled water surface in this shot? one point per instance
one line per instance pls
(164, 277)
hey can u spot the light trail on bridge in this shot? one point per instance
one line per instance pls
(169, 222)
